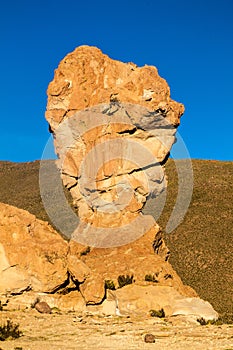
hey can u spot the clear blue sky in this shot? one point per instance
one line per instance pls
(190, 42)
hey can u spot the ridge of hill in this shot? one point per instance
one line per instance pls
(201, 246)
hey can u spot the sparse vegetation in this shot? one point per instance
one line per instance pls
(10, 331)
(203, 322)
(157, 313)
(109, 285)
(151, 278)
(85, 251)
(196, 253)
(124, 280)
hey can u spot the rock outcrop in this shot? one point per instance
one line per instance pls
(86, 77)
(38, 268)
(32, 256)
(114, 125)
(138, 260)
(142, 299)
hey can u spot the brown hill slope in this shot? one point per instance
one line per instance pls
(201, 247)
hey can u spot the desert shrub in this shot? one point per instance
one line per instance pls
(1, 308)
(157, 313)
(151, 278)
(203, 322)
(124, 280)
(109, 285)
(9, 330)
(85, 251)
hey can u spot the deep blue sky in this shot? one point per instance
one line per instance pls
(190, 42)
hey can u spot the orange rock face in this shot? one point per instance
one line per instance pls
(32, 255)
(86, 77)
(34, 258)
(113, 124)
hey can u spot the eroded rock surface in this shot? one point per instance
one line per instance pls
(140, 299)
(37, 266)
(138, 260)
(33, 255)
(114, 124)
(86, 77)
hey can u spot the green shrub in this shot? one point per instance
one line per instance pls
(124, 280)
(109, 285)
(151, 278)
(9, 330)
(203, 322)
(157, 313)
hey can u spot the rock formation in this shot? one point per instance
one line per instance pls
(39, 269)
(33, 263)
(33, 254)
(113, 126)
(86, 77)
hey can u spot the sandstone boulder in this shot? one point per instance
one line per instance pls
(43, 307)
(72, 301)
(149, 338)
(134, 299)
(196, 307)
(33, 254)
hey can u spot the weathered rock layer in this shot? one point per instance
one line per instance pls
(114, 125)
(86, 77)
(35, 258)
(37, 266)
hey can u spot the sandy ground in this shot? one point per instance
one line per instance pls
(74, 331)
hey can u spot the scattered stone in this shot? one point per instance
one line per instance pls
(43, 308)
(149, 338)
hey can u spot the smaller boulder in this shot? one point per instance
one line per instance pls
(149, 338)
(195, 307)
(43, 307)
(93, 290)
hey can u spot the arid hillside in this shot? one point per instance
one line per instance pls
(201, 246)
